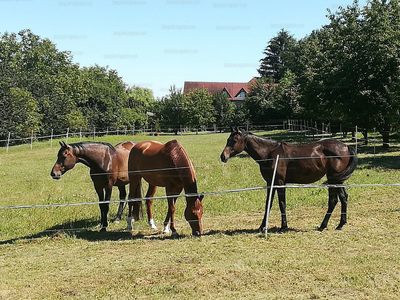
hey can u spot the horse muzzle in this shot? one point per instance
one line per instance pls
(225, 155)
(55, 176)
(196, 233)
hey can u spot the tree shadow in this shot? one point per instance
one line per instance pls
(386, 162)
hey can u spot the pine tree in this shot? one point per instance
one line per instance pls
(278, 56)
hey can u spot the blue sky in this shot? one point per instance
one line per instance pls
(160, 43)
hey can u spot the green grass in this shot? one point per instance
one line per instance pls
(42, 259)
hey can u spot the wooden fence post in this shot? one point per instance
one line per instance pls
(66, 136)
(8, 141)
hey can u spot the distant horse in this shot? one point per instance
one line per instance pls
(297, 164)
(108, 167)
(168, 166)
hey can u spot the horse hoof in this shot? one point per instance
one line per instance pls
(261, 229)
(117, 220)
(104, 229)
(166, 229)
(152, 224)
(175, 234)
(321, 229)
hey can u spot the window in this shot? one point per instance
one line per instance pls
(242, 94)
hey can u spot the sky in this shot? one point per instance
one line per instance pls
(159, 43)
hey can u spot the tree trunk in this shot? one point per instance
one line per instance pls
(365, 135)
(385, 137)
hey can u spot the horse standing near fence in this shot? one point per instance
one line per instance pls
(108, 167)
(302, 164)
(168, 166)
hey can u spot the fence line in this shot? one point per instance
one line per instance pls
(307, 186)
(106, 132)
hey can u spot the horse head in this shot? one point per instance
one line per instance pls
(66, 160)
(234, 145)
(193, 214)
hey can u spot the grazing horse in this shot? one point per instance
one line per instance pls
(168, 166)
(297, 164)
(108, 167)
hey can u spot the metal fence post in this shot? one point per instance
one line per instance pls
(268, 208)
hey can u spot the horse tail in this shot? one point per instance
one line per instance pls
(346, 174)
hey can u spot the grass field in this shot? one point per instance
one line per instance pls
(58, 252)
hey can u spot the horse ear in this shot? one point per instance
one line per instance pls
(231, 129)
(239, 130)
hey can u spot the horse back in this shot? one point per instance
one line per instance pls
(171, 159)
(120, 161)
(308, 163)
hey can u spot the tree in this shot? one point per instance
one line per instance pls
(354, 80)
(169, 111)
(224, 109)
(139, 101)
(198, 109)
(259, 101)
(286, 98)
(17, 112)
(104, 98)
(279, 56)
(35, 66)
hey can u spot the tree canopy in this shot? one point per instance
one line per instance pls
(346, 72)
(42, 89)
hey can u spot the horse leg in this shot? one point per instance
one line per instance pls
(282, 208)
(149, 202)
(134, 206)
(343, 196)
(104, 207)
(170, 218)
(267, 209)
(333, 200)
(122, 203)
(169, 222)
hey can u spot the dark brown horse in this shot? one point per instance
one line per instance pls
(297, 164)
(108, 167)
(168, 166)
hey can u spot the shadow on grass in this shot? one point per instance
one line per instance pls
(272, 230)
(75, 230)
(386, 162)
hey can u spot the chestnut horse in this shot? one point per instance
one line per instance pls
(108, 167)
(302, 164)
(168, 166)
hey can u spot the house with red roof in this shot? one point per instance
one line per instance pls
(235, 91)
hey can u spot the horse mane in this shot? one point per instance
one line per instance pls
(245, 134)
(182, 161)
(81, 146)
